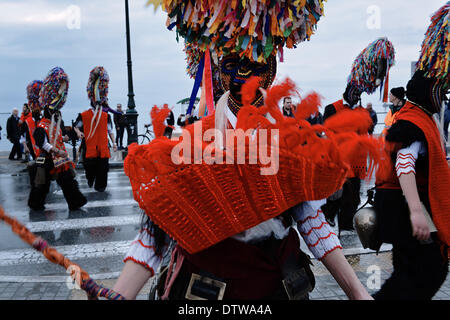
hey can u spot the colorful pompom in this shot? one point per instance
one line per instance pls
(54, 90)
(365, 68)
(97, 87)
(33, 89)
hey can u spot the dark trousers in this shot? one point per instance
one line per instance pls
(345, 207)
(16, 149)
(119, 136)
(41, 186)
(419, 272)
(96, 170)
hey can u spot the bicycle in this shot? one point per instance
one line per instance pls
(147, 136)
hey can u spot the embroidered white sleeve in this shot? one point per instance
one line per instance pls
(142, 251)
(406, 158)
(47, 146)
(314, 229)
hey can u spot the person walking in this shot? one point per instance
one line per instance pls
(94, 126)
(411, 201)
(261, 262)
(369, 71)
(13, 135)
(120, 122)
(53, 162)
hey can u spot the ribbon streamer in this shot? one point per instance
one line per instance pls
(92, 289)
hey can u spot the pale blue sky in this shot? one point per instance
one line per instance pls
(34, 37)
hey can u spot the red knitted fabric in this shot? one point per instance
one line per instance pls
(202, 204)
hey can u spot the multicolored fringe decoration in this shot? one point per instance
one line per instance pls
(33, 89)
(366, 67)
(97, 87)
(93, 290)
(253, 28)
(193, 57)
(435, 57)
(54, 90)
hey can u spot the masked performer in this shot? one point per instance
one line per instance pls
(412, 201)
(370, 70)
(53, 162)
(94, 126)
(231, 223)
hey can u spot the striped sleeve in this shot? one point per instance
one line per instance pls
(142, 251)
(314, 229)
(406, 158)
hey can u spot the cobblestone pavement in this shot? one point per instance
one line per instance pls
(326, 287)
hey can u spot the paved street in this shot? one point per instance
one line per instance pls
(98, 236)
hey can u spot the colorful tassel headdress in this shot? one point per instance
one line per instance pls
(256, 29)
(33, 90)
(97, 87)
(371, 67)
(55, 87)
(435, 53)
(203, 203)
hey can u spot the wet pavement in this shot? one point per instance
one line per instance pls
(98, 236)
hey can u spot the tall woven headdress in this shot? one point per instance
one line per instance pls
(370, 69)
(55, 87)
(33, 89)
(430, 81)
(97, 87)
(435, 52)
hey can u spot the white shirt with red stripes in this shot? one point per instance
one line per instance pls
(314, 229)
(142, 251)
(407, 157)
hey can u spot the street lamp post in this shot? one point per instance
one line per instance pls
(131, 113)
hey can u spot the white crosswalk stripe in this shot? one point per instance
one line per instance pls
(72, 252)
(83, 223)
(92, 190)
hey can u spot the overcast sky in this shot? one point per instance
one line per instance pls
(40, 34)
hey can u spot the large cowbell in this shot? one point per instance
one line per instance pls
(365, 224)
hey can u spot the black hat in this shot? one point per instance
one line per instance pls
(398, 92)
